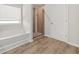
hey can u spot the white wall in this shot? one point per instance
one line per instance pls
(74, 24)
(10, 13)
(58, 16)
(65, 19)
(10, 17)
(27, 18)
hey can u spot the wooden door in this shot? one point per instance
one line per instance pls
(40, 20)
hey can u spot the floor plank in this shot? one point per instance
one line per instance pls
(45, 45)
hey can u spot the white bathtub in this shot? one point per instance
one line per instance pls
(13, 41)
(13, 38)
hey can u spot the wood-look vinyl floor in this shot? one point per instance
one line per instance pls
(45, 45)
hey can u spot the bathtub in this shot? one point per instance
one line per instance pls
(13, 38)
(11, 42)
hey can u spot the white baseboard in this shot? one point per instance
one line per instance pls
(73, 44)
(14, 45)
(66, 41)
(58, 38)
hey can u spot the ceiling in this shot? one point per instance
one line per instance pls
(37, 5)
